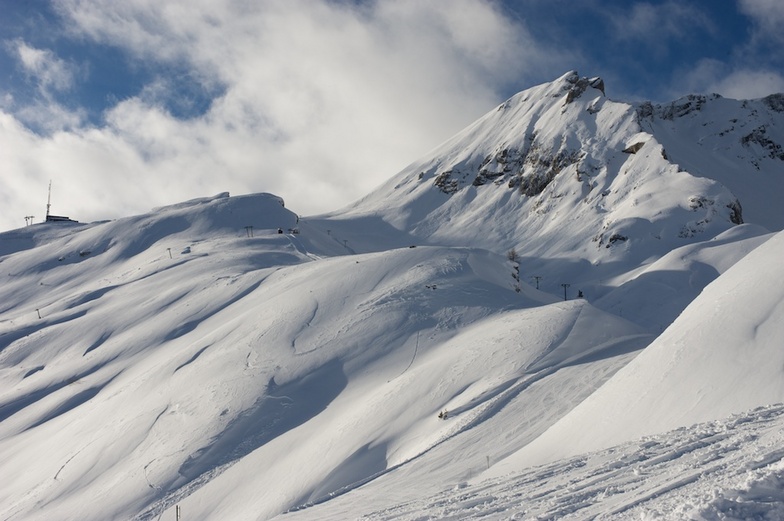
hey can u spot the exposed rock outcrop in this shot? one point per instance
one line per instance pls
(775, 102)
(759, 137)
(634, 147)
(579, 85)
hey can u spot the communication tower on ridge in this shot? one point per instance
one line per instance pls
(49, 200)
(54, 218)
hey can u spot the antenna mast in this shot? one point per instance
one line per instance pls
(49, 200)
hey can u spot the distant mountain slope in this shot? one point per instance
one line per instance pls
(738, 143)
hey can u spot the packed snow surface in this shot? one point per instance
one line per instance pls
(572, 309)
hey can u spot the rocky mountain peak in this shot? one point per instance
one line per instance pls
(560, 165)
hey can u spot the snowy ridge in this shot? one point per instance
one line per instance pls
(555, 149)
(738, 143)
(232, 358)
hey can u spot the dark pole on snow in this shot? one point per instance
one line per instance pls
(564, 287)
(537, 278)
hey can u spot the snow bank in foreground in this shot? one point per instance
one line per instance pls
(722, 470)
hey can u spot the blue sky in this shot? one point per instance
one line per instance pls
(134, 104)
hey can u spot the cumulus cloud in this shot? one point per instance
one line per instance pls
(317, 101)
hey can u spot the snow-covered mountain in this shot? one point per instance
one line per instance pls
(232, 359)
(628, 179)
(583, 188)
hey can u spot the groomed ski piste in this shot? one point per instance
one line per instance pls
(230, 359)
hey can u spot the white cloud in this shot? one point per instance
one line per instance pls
(320, 101)
(49, 116)
(768, 16)
(749, 84)
(50, 72)
(51, 76)
(709, 76)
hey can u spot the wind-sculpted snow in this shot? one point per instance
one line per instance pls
(564, 276)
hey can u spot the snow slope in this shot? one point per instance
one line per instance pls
(708, 364)
(229, 357)
(721, 355)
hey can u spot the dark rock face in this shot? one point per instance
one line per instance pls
(503, 162)
(446, 183)
(758, 136)
(645, 110)
(530, 171)
(736, 212)
(634, 148)
(616, 237)
(597, 83)
(543, 169)
(610, 241)
(775, 102)
(576, 90)
(676, 109)
(684, 106)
